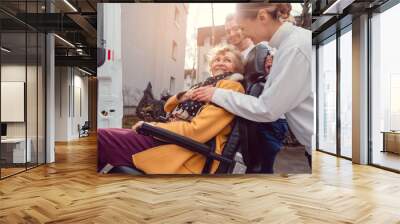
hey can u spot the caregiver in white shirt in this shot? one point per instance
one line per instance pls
(288, 89)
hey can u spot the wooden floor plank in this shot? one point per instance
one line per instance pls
(70, 191)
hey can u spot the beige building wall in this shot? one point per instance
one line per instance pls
(153, 40)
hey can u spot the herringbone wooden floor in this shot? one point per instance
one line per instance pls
(70, 191)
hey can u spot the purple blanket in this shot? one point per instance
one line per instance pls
(117, 145)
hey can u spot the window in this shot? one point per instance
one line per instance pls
(385, 88)
(394, 101)
(172, 85)
(174, 50)
(346, 94)
(327, 96)
(334, 106)
(176, 17)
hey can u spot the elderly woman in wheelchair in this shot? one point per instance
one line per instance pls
(198, 127)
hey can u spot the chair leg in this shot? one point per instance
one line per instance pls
(106, 169)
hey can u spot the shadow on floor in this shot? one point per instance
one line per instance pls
(291, 160)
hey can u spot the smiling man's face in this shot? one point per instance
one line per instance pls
(234, 32)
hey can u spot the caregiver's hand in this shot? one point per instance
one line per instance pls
(140, 123)
(268, 64)
(204, 94)
(137, 125)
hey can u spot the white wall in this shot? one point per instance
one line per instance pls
(14, 73)
(61, 103)
(79, 117)
(109, 75)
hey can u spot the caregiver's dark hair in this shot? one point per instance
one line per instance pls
(276, 10)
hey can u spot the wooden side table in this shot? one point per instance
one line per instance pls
(391, 141)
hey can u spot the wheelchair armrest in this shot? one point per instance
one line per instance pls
(185, 142)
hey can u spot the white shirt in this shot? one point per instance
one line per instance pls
(247, 51)
(288, 90)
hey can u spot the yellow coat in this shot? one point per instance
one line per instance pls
(211, 121)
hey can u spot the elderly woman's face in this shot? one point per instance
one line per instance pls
(223, 63)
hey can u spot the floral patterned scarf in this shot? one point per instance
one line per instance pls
(190, 108)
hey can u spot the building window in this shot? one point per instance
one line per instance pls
(176, 17)
(172, 85)
(174, 50)
(186, 7)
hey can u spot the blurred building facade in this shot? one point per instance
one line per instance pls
(189, 78)
(153, 40)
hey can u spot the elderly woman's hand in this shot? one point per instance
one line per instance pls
(186, 96)
(204, 94)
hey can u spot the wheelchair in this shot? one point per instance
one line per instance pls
(242, 152)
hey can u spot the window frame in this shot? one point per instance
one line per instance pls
(334, 37)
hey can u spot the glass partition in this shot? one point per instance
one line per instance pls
(22, 88)
(14, 154)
